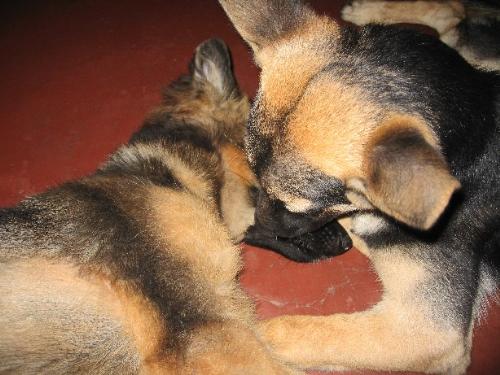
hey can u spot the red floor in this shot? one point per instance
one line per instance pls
(77, 77)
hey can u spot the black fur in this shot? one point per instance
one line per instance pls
(417, 74)
(146, 169)
(330, 240)
(166, 129)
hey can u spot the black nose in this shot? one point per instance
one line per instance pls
(327, 241)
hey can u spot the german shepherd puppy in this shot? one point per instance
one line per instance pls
(398, 132)
(132, 270)
(472, 27)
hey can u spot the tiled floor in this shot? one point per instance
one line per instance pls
(77, 77)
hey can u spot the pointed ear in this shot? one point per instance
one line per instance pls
(260, 22)
(406, 177)
(212, 64)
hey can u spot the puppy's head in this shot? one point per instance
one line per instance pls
(209, 95)
(337, 125)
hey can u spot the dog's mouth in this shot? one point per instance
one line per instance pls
(329, 240)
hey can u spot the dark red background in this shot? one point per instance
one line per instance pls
(77, 78)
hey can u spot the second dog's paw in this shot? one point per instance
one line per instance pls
(362, 12)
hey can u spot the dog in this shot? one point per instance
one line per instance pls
(472, 27)
(393, 133)
(133, 269)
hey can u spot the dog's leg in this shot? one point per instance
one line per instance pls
(379, 339)
(400, 333)
(229, 347)
(443, 16)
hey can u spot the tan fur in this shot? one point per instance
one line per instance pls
(213, 352)
(396, 334)
(294, 204)
(141, 272)
(280, 86)
(188, 228)
(42, 283)
(237, 208)
(397, 121)
(357, 242)
(202, 238)
(227, 347)
(139, 317)
(222, 348)
(218, 116)
(381, 338)
(236, 163)
(417, 191)
(330, 137)
(338, 138)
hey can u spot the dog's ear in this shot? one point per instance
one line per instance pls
(211, 64)
(406, 177)
(260, 22)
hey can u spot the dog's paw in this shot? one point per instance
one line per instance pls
(284, 335)
(362, 12)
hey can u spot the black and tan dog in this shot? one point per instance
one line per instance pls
(131, 270)
(398, 132)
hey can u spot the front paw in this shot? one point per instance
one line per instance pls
(286, 337)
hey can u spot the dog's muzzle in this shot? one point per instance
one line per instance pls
(300, 237)
(328, 241)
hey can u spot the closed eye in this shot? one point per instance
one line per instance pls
(304, 206)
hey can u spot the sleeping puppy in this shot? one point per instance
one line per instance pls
(398, 134)
(132, 270)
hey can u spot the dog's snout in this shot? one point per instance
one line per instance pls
(272, 216)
